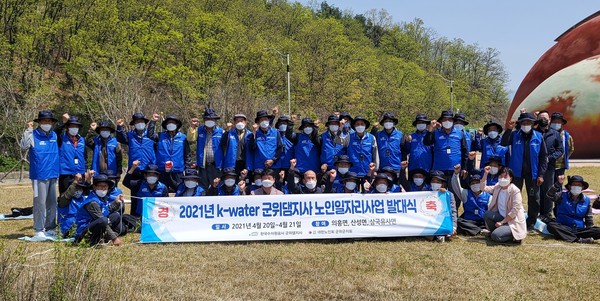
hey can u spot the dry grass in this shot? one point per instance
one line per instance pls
(405, 269)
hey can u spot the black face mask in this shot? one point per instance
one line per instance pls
(543, 123)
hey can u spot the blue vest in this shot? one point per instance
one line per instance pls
(84, 218)
(181, 189)
(424, 187)
(288, 154)
(360, 152)
(421, 155)
(566, 155)
(72, 159)
(113, 194)
(330, 150)
(111, 145)
(43, 156)
(475, 207)
(572, 214)
(517, 149)
(468, 139)
(67, 215)
(490, 148)
(266, 147)
(447, 149)
(390, 153)
(491, 179)
(171, 149)
(217, 133)
(307, 154)
(140, 148)
(232, 146)
(145, 192)
(221, 190)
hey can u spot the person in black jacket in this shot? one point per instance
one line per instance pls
(556, 149)
(309, 182)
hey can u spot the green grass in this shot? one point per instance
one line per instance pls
(404, 269)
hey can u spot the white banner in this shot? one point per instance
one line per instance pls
(308, 216)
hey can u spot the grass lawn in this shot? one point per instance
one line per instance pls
(403, 269)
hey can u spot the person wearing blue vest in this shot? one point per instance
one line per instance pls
(172, 150)
(72, 151)
(256, 180)
(115, 191)
(574, 221)
(555, 148)
(285, 127)
(149, 186)
(557, 123)
(528, 161)
(330, 151)
(418, 180)
(490, 145)
(44, 169)
(141, 146)
(69, 203)
(420, 155)
(209, 155)
(350, 183)
(97, 219)
(390, 143)
(307, 146)
(439, 183)
(381, 184)
(449, 146)
(392, 175)
(361, 147)
(234, 144)
(227, 186)
(107, 156)
(268, 182)
(460, 121)
(475, 204)
(188, 184)
(342, 168)
(495, 164)
(266, 144)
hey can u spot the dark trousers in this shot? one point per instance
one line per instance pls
(533, 198)
(96, 231)
(546, 204)
(207, 174)
(135, 176)
(169, 178)
(570, 234)
(469, 227)
(239, 166)
(64, 181)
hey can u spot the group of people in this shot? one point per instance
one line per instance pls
(269, 156)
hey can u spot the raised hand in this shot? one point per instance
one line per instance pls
(136, 163)
(30, 125)
(457, 169)
(332, 175)
(243, 174)
(120, 122)
(561, 179)
(155, 117)
(242, 185)
(229, 126)
(216, 182)
(472, 155)
(487, 169)
(77, 178)
(93, 126)
(404, 164)
(292, 163)
(511, 124)
(323, 168)
(65, 117)
(254, 128)
(268, 163)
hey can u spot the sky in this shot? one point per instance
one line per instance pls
(521, 30)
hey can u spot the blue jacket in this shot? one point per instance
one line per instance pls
(287, 154)
(566, 138)
(421, 155)
(360, 152)
(160, 190)
(67, 215)
(72, 158)
(265, 146)
(490, 147)
(570, 213)
(330, 150)
(537, 149)
(140, 147)
(449, 149)
(229, 145)
(111, 145)
(199, 191)
(390, 148)
(43, 156)
(475, 207)
(217, 134)
(424, 187)
(83, 216)
(172, 149)
(307, 153)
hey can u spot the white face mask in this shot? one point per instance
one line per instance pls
(104, 134)
(258, 182)
(556, 126)
(190, 184)
(334, 128)
(152, 180)
(418, 181)
(493, 134)
(493, 170)
(296, 180)
(350, 185)
(381, 188)
(475, 187)
(46, 127)
(576, 190)
(140, 126)
(264, 124)
(311, 184)
(436, 186)
(267, 183)
(283, 127)
(101, 193)
(73, 131)
(421, 127)
(171, 127)
(308, 130)
(388, 125)
(447, 124)
(459, 127)
(343, 170)
(240, 126)
(229, 182)
(360, 128)
(504, 182)
(209, 123)
(526, 129)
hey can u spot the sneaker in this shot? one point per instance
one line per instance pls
(485, 232)
(588, 240)
(440, 239)
(39, 236)
(50, 234)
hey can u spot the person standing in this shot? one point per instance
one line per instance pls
(107, 156)
(72, 151)
(331, 151)
(307, 146)
(555, 148)
(490, 145)
(209, 155)
(44, 169)
(390, 142)
(192, 135)
(172, 150)
(235, 144)
(265, 144)
(141, 147)
(557, 123)
(420, 155)
(361, 147)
